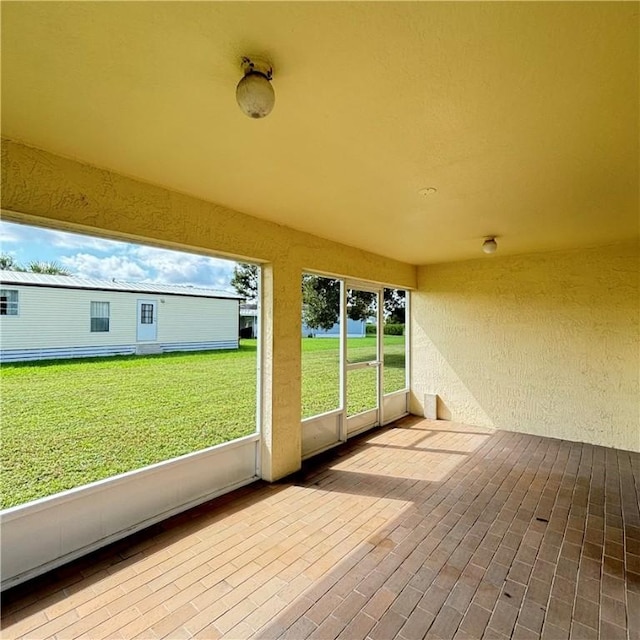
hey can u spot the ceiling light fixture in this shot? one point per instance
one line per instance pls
(490, 245)
(254, 92)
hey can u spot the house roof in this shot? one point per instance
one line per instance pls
(71, 282)
(249, 310)
(522, 115)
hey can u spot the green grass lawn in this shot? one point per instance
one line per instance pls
(321, 373)
(66, 423)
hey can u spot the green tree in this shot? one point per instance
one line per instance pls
(50, 268)
(321, 299)
(8, 263)
(361, 305)
(245, 280)
(321, 302)
(395, 304)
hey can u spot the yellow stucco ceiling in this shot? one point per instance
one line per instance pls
(524, 116)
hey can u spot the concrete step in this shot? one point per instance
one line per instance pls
(148, 349)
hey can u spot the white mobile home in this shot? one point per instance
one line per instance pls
(46, 316)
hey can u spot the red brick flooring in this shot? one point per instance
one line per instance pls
(428, 529)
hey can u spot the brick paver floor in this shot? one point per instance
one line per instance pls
(426, 529)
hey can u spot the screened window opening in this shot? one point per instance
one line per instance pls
(394, 342)
(320, 345)
(99, 317)
(8, 302)
(146, 313)
(151, 370)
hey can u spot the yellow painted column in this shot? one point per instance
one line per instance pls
(281, 370)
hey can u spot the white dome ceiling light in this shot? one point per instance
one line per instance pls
(254, 92)
(490, 245)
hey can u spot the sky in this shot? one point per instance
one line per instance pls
(93, 257)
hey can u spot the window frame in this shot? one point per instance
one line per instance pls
(93, 317)
(146, 313)
(9, 307)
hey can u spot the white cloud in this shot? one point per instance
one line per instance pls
(86, 265)
(169, 266)
(21, 233)
(13, 232)
(158, 266)
(65, 240)
(91, 257)
(172, 267)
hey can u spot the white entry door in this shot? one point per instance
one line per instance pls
(147, 321)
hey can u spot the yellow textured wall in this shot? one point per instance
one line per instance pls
(546, 343)
(46, 189)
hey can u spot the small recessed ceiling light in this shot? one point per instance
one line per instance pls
(427, 191)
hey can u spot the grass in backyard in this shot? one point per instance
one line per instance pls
(321, 373)
(66, 423)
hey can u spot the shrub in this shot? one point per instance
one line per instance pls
(390, 329)
(393, 329)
